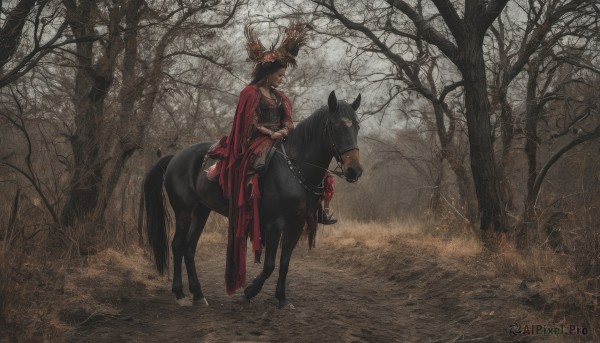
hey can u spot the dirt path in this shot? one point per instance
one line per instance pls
(335, 300)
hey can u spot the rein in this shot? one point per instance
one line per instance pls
(288, 158)
(316, 190)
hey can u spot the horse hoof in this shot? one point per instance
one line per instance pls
(286, 306)
(199, 302)
(182, 302)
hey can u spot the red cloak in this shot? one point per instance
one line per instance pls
(240, 184)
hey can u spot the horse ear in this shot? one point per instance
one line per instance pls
(356, 102)
(332, 102)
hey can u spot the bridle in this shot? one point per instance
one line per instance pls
(336, 152)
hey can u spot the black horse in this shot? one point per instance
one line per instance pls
(289, 189)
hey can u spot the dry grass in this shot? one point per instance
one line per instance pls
(215, 230)
(47, 298)
(539, 264)
(376, 235)
(55, 282)
(380, 247)
(31, 283)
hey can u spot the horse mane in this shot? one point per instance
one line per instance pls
(311, 127)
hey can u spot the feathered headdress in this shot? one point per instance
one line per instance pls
(294, 37)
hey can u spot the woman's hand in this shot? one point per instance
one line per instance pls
(280, 134)
(276, 135)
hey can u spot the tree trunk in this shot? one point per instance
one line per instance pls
(531, 146)
(88, 158)
(129, 94)
(465, 190)
(483, 165)
(507, 134)
(450, 153)
(92, 82)
(436, 195)
(132, 135)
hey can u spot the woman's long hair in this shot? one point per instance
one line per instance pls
(263, 70)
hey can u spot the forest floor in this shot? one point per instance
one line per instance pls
(373, 284)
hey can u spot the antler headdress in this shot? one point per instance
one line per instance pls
(294, 37)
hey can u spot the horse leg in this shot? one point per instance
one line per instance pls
(272, 241)
(182, 226)
(200, 215)
(290, 239)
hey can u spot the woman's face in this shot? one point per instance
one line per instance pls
(277, 77)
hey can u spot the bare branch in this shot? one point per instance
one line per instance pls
(395, 58)
(532, 196)
(451, 18)
(210, 59)
(426, 31)
(493, 10)
(10, 33)
(449, 88)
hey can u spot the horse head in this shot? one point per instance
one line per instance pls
(342, 135)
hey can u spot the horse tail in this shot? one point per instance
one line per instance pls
(155, 212)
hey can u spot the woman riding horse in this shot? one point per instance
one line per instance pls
(290, 189)
(263, 116)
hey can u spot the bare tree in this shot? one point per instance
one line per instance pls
(566, 80)
(460, 39)
(141, 85)
(515, 42)
(404, 32)
(16, 117)
(425, 74)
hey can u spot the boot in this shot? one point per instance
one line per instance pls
(325, 216)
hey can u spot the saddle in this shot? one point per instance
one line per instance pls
(259, 162)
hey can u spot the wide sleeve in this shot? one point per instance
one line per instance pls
(286, 119)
